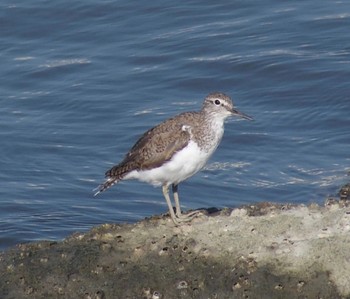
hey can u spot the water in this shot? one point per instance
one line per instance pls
(82, 80)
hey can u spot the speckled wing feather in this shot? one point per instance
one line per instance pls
(170, 128)
(154, 148)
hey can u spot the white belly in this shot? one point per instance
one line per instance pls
(183, 165)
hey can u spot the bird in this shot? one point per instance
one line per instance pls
(175, 150)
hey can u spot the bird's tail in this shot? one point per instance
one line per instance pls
(115, 174)
(107, 184)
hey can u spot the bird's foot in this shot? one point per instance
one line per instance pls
(183, 218)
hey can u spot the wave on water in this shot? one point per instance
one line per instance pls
(64, 62)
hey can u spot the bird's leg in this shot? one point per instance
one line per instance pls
(177, 201)
(165, 189)
(184, 218)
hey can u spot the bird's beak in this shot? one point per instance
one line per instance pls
(238, 113)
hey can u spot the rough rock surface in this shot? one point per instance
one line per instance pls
(260, 251)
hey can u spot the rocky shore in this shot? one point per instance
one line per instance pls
(259, 251)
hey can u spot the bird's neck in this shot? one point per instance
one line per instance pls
(210, 132)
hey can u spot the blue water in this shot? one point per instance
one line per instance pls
(82, 80)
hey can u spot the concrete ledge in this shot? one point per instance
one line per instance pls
(258, 251)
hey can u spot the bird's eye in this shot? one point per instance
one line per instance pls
(217, 102)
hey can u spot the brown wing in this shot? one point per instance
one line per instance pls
(155, 147)
(158, 146)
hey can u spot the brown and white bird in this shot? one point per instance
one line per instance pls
(175, 150)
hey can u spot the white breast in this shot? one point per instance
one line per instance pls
(183, 165)
(187, 161)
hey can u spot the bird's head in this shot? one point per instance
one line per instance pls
(221, 105)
